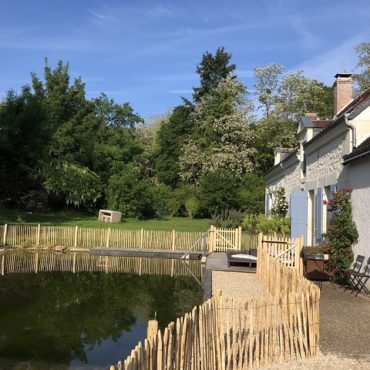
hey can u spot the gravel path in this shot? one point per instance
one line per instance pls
(345, 323)
(321, 361)
(236, 284)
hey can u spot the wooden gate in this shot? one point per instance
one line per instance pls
(222, 240)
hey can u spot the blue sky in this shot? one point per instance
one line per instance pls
(145, 52)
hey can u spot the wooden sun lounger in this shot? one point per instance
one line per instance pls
(242, 258)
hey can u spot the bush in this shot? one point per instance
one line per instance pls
(280, 205)
(173, 206)
(129, 193)
(227, 219)
(192, 206)
(182, 194)
(218, 191)
(159, 197)
(342, 232)
(255, 224)
(251, 194)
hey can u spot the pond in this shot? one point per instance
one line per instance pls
(91, 319)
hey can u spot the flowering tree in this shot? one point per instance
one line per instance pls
(223, 139)
(342, 232)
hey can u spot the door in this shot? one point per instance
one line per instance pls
(298, 214)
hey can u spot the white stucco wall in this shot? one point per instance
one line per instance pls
(359, 175)
(362, 124)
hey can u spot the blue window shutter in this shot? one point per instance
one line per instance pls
(318, 215)
(298, 214)
(267, 204)
(333, 189)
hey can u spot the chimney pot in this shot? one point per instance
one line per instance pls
(342, 91)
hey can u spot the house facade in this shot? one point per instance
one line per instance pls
(332, 155)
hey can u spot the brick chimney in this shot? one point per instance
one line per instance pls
(342, 91)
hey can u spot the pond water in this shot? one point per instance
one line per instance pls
(84, 320)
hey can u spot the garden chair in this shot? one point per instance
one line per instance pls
(348, 273)
(361, 278)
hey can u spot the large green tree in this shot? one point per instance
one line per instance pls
(362, 75)
(222, 138)
(170, 139)
(212, 70)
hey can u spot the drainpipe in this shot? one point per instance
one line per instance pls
(353, 131)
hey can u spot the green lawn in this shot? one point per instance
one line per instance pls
(73, 218)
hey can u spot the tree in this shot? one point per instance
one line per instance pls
(54, 139)
(218, 192)
(251, 194)
(362, 77)
(222, 137)
(285, 98)
(212, 70)
(267, 86)
(342, 231)
(22, 145)
(299, 94)
(128, 192)
(171, 136)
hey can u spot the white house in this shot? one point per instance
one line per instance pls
(332, 155)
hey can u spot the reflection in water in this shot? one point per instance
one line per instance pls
(88, 319)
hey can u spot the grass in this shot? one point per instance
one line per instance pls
(81, 219)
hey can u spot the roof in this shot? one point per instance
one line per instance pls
(321, 123)
(352, 109)
(361, 151)
(292, 153)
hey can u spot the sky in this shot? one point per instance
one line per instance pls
(146, 52)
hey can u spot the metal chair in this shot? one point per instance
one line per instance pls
(361, 278)
(356, 268)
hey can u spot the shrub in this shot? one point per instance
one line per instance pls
(218, 191)
(192, 206)
(280, 205)
(129, 193)
(255, 224)
(227, 219)
(173, 206)
(182, 194)
(159, 196)
(342, 232)
(251, 194)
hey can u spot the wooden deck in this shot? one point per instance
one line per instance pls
(142, 252)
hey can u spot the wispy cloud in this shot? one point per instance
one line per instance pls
(339, 59)
(308, 40)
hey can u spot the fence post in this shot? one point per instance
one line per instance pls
(76, 232)
(74, 263)
(3, 264)
(173, 248)
(38, 235)
(36, 262)
(141, 246)
(240, 238)
(141, 237)
(260, 240)
(211, 239)
(5, 232)
(108, 237)
(173, 239)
